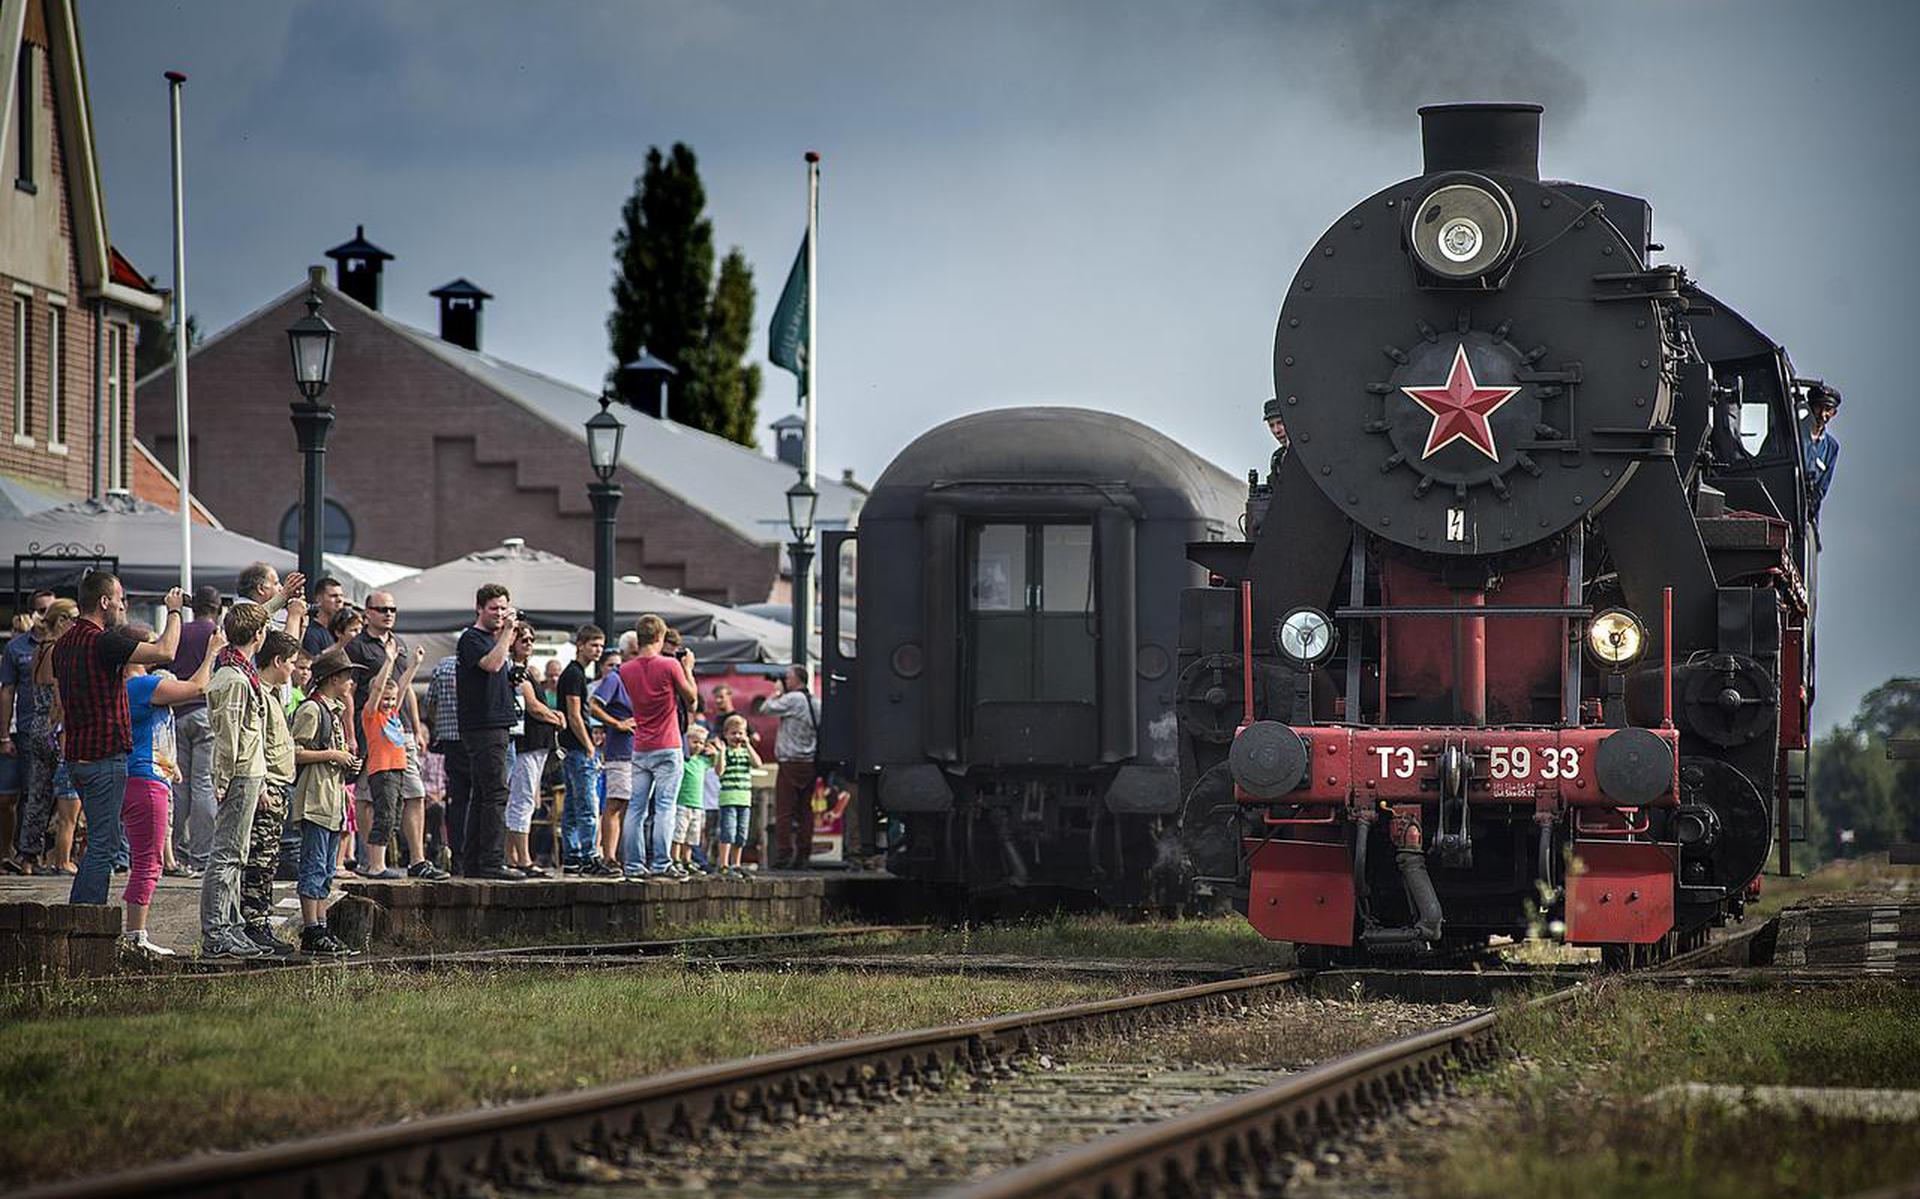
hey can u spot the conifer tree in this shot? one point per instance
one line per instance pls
(665, 298)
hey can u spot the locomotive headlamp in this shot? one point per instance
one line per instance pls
(1463, 230)
(1305, 637)
(1616, 637)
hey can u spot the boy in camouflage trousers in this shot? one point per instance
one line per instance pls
(275, 661)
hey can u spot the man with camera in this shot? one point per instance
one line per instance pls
(794, 747)
(655, 683)
(483, 697)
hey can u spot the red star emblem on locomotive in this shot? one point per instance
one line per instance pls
(1460, 408)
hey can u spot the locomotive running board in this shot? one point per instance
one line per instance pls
(1620, 892)
(1302, 891)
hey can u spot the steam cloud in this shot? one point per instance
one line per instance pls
(1402, 55)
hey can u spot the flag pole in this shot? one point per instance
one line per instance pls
(803, 579)
(813, 306)
(183, 464)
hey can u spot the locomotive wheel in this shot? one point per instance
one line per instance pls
(1209, 828)
(1744, 834)
(1621, 958)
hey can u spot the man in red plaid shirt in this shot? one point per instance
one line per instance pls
(89, 665)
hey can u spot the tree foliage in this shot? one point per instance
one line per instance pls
(1855, 785)
(666, 299)
(153, 343)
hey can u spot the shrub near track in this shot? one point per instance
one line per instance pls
(1574, 1117)
(94, 1079)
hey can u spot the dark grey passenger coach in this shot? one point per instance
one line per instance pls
(1014, 686)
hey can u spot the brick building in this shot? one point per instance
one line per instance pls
(439, 449)
(70, 300)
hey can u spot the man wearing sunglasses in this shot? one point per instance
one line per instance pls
(369, 650)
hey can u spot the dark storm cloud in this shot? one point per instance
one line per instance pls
(1089, 202)
(1395, 57)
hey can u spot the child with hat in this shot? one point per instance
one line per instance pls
(324, 765)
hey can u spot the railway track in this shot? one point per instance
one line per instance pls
(569, 1138)
(595, 1136)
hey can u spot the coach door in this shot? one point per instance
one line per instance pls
(1032, 642)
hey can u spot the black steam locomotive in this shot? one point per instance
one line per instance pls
(1012, 688)
(1521, 627)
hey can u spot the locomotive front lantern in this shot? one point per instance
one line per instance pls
(1616, 637)
(1305, 637)
(1463, 230)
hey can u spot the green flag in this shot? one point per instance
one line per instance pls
(787, 336)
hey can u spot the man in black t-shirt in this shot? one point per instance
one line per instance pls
(580, 818)
(483, 696)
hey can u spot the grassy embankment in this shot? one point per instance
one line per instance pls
(94, 1079)
(1573, 1118)
(1220, 939)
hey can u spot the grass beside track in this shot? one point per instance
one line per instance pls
(1571, 1119)
(1224, 939)
(94, 1079)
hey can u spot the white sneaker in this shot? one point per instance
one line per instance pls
(139, 943)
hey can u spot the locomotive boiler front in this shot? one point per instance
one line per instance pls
(1471, 361)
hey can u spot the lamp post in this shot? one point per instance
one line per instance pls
(312, 340)
(801, 499)
(604, 431)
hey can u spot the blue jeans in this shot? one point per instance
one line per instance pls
(580, 816)
(656, 792)
(735, 820)
(317, 849)
(103, 786)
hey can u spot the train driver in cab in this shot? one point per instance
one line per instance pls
(1276, 425)
(1822, 448)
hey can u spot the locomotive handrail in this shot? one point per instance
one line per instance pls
(1575, 610)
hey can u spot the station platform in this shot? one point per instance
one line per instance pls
(42, 936)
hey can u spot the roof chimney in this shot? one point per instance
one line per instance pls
(357, 268)
(1497, 138)
(644, 383)
(790, 440)
(460, 304)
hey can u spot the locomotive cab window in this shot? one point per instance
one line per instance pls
(1032, 634)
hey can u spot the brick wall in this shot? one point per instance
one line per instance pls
(429, 463)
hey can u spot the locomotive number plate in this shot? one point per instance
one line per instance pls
(1513, 770)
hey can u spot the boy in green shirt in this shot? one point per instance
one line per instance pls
(689, 820)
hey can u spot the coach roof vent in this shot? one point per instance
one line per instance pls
(460, 304)
(1499, 139)
(357, 267)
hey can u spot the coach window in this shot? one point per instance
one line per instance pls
(848, 576)
(1031, 607)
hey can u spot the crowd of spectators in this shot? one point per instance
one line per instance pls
(199, 749)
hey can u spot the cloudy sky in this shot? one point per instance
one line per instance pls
(1084, 201)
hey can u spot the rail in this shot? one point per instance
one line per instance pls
(524, 1143)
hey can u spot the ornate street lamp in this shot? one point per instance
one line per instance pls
(604, 432)
(801, 501)
(312, 341)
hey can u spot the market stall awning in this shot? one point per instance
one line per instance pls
(141, 543)
(557, 595)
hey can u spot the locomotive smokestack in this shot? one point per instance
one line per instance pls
(1500, 139)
